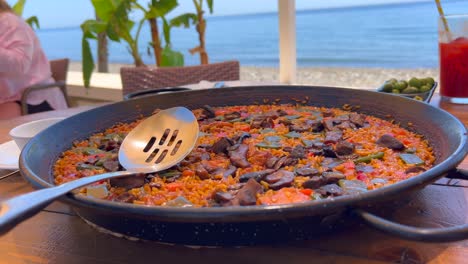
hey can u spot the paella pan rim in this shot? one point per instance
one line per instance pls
(264, 212)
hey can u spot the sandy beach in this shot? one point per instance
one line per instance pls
(343, 77)
(320, 76)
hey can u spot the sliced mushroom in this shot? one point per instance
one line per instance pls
(124, 198)
(280, 179)
(262, 121)
(346, 125)
(223, 197)
(314, 182)
(331, 137)
(330, 190)
(238, 155)
(231, 116)
(344, 148)
(230, 171)
(329, 124)
(290, 161)
(330, 163)
(357, 119)
(247, 195)
(256, 175)
(208, 111)
(111, 165)
(333, 176)
(210, 167)
(241, 137)
(300, 127)
(316, 125)
(298, 152)
(328, 151)
(280, 163)
(222, 145)
(390, 142)
(306, 171)
(270, 163)
(129, 182)
(201, 172)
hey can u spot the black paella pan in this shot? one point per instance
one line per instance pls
(253, 224)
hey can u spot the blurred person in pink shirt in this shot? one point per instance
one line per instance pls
(22, 64)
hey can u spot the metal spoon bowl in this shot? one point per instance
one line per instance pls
(157, 143)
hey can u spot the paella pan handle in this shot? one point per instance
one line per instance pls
(444, 234)
(460, 174)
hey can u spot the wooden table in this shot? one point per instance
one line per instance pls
(58, 235)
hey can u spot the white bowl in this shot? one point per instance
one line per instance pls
(23, 133)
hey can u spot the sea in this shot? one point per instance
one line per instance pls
(375, 36)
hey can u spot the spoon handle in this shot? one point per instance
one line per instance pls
(17, 209)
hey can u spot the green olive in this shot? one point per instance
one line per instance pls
(410, 90)
(400, 85)
(415, 82)
(395, 91)
(392, 80)
(388, 87)
(425, 88)
(429, 81)
(404, 83)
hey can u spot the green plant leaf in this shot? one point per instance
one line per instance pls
(120, 22)
(160, 8)
(87, 60)
(184, 20)
(105, 8)
(18, 8)
(112, 35)
(114, 20)
(93, 26)
(171, 57)
(198, 4)
(210, 5)
(166, 31)
(33, 22)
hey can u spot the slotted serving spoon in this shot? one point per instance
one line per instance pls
(156, 144)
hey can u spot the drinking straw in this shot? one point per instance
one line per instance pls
(442, 16)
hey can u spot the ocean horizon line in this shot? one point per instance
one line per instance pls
(377, 36)
(299, 11)
(299, 67)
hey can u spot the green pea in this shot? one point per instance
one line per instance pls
(410, 90)
(425, 88)
(415, 82)
(388, 87)
(395, 91)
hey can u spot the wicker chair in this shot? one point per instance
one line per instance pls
(135, 79)
(59, 69)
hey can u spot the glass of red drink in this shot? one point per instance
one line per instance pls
(453, 57)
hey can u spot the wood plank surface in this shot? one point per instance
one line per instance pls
(58, 235)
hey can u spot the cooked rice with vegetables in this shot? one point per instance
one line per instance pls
(259, 155)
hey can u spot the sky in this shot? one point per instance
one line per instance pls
(70, 13)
